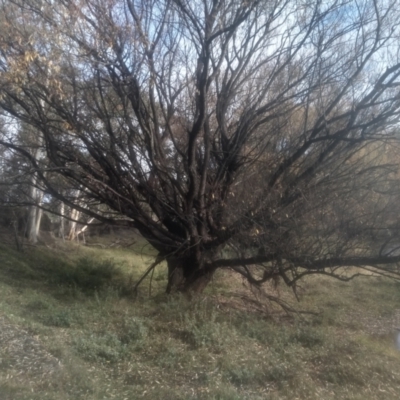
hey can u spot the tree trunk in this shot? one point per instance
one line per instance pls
(75, 214)
(34, 215)
(187, 276)
(31, 222)
(61, 228)
(39, 214)
(36, 196)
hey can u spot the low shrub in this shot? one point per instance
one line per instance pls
(100, 347)
(88, 275)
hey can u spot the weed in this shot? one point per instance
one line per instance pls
(307, 336)
(37, 305)
(241, 375)
(100, 347)
(260, 330)
(201, 328)
(60, 319)
(169, 355)
(133, 331)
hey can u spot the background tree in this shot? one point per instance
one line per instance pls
(209, 125)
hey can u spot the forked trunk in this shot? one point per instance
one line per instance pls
(187, 276)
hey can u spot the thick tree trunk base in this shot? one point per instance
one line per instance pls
(186, 278)
(175, 275)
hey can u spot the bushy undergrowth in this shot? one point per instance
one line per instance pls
(88, 275)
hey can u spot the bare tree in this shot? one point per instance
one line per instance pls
(255, 127)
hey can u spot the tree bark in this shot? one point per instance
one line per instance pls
(187, 276)
(34, 215)
(32, 233)
(36, 196)
(61, 228)
(75, 214)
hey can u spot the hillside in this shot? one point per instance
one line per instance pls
(72, 328)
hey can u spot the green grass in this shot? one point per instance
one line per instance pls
(77, 301)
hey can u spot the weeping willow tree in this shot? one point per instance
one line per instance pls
(247, 135)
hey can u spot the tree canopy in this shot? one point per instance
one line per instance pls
(259, 136)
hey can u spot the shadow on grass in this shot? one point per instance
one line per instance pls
(41, 269)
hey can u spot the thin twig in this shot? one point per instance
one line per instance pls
(151, 280)
(151, 268)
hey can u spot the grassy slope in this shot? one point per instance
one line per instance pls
(76, 301)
